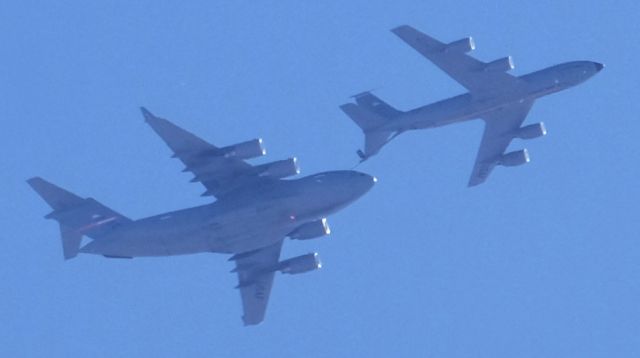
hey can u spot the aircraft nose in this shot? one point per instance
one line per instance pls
(367, 177)
(599, 66)
(367, 181)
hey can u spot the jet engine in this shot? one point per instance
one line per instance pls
(531, 131)
(245, 150)
(461, 46)
(515, 158)
(279, 169)
(300, 264)
(311, 230)
(500, 65)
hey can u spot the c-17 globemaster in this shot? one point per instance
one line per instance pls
(502, 100)
(255, 210)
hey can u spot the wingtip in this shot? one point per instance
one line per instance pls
(474, 182)
(35, 182)
(33, 179)
(147, 114)
(400, 28)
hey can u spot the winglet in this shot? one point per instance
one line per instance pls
(147, 115)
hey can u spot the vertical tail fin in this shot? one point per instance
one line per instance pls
(370, 113)
(77, 216)
(56, 197)
(71, 241)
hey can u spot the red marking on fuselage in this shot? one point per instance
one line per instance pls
(96, 224)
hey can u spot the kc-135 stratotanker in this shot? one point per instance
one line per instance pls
(499, 98)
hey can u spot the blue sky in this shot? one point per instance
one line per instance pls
(542, 260)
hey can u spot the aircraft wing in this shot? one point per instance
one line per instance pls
(255, 277)
(498, 133)
(218, 171)
(478, 77)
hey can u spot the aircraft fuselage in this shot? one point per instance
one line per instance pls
(239, 222)
(467, 106)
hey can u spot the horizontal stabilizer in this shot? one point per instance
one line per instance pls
(374, 104)
(77, 216)
(369, 112)
(365, 119)
(56, 197)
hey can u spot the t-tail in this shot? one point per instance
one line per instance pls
(371, 114)
(77, 217)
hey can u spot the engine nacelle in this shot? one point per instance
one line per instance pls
(300, 264)
(500, 65)
(461, 46)
(515, 158)
(311, 230)
(245, 150)
(279, 169)
(531, 131)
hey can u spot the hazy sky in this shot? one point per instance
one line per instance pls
(541, 261)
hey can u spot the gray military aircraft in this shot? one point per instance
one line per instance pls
(255, 210)
(501, 99)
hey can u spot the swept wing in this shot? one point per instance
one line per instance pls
(77, 216)
(220, 170)
(499, 130)
(479, 77)
(256, 270)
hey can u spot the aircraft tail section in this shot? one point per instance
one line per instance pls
(375, 105)
(71, 241)
(77, 216)
(373, 142)
(363, 118)
(370, 113)
(56, 197)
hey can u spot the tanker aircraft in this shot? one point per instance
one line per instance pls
(499, 98)
(255, 210)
